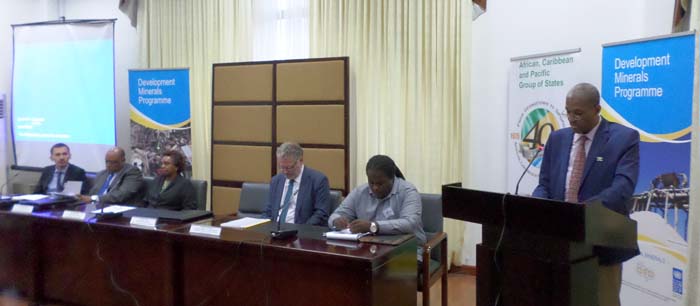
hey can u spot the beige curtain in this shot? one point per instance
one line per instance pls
(406, 74)
(195, 34)
(693, 270)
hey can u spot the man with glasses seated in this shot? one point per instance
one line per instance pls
(120, 183)
(54, 177)
(298, 194)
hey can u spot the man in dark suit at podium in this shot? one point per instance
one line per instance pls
(119, 183)
(298, 194)
(54, 177)
(593, 160)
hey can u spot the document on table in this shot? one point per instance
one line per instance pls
(30, 197)
(345, 235)
(113, 209)
(244, 222)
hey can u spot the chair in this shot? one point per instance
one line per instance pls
(434, 259)
(336, 197)
(200, 192)
(253, 199)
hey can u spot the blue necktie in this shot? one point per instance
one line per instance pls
(106, 184)
(59, 181)
(287, 198)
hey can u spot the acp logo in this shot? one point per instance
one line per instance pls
(535, 124)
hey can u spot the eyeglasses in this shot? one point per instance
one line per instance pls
(289, 168)
(574, 116)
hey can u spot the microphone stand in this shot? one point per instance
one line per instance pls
(280, 233)
(7, 181)
(102, 215)
(517, 185)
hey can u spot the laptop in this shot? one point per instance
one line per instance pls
(176, 215)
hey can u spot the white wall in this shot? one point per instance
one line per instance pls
(512, 28)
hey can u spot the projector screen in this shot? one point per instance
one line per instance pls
(63, 91)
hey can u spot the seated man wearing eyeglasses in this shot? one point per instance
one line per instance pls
(119, 183)
(298, 194)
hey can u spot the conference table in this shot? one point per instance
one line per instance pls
(47, 258)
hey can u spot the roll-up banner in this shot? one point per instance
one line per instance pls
(160, 117)
(537, 90)
(648, 85)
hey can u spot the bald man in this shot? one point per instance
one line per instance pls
(593, 160)
(119, 183)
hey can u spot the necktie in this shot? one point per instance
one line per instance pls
(105, 186)
(287, 198)
(59, 181)
(577, 171)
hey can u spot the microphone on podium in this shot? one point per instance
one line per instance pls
(7, 182)
(540, 148)
(280, 233)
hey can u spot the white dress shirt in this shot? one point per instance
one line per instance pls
(292, 200)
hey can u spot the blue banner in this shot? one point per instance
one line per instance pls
(648, 85)
(160, 117)
(160, 99)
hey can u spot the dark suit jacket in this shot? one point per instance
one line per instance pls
(73, 173)
(179, 195)
(126, 188)
(610, 174)
(313, 204)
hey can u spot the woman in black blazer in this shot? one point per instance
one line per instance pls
(170, 190)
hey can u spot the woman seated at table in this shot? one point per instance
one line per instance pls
(170, 190)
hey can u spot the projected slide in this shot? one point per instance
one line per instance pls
(63, 91)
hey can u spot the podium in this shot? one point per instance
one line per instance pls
(536, 251)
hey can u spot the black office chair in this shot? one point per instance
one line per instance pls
(336, 197)
(200, 189)
(434, 258)
(253, 199)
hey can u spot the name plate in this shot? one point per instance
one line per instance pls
(205, 230)
(22, 209)
(73, 215)
(144, 221)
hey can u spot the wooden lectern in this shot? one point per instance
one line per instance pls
(544, 254)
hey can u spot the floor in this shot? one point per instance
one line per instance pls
(461, 292)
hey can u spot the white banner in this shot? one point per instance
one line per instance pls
(537, 90)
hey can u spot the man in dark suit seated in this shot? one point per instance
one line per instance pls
(593, 160)
(54, 177)
(298, 194)
(120, 183)
(171, 190)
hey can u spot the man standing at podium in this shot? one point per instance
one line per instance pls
(593, 160)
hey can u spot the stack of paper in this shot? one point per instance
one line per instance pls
(345, 235)
(245, 222)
